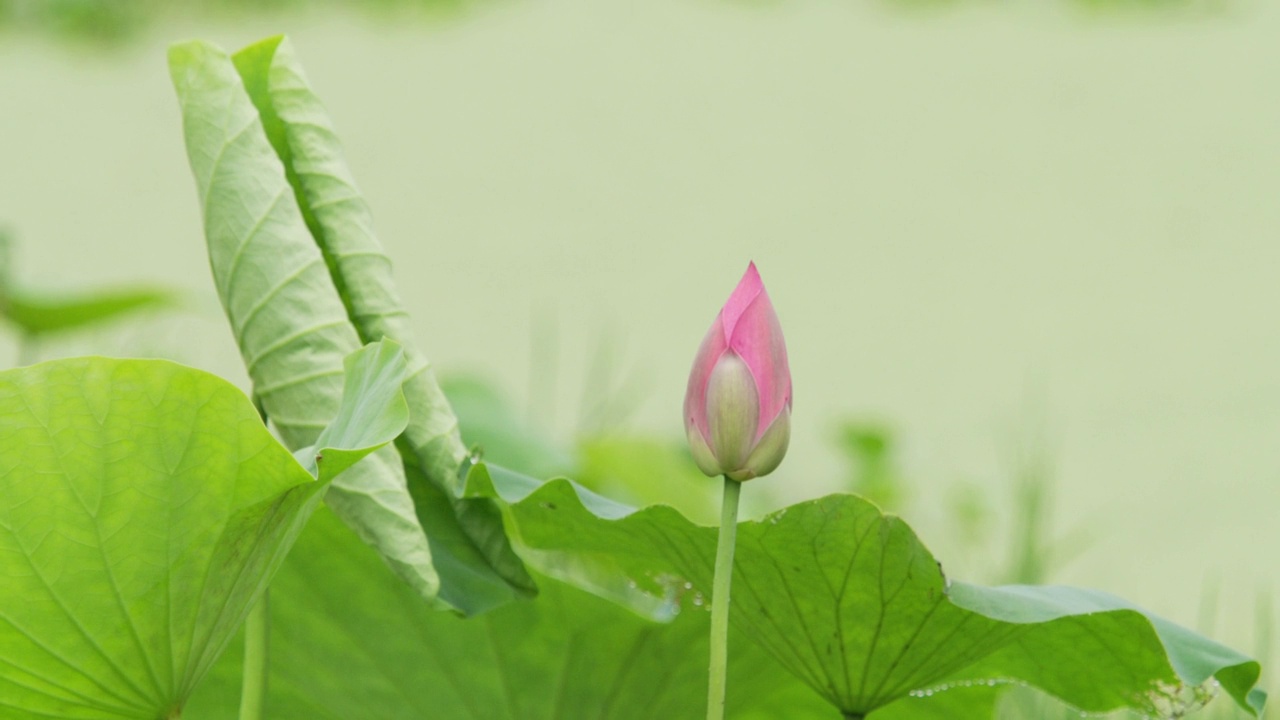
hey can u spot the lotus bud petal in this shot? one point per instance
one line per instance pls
(737, 407)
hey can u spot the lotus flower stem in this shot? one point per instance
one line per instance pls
(720, 598)
(257, 631)
(737, 414)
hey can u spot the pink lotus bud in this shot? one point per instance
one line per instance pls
(737, 409)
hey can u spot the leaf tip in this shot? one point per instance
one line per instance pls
(262, 51)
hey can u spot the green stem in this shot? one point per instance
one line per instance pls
(720, 599)
(257, 629)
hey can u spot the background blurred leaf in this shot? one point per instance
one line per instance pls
(490, 423)
(143, 509)
(646, 471)
(850, 601)
(40, 314)
(875, 475)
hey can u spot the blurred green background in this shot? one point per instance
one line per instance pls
(1025, 253)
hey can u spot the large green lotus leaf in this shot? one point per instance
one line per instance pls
(143, 509)
(297, 302)
(964, 702)
(1081, 627)
(286, 315)
(851, 602)
(349, 641)
(43, 313)
(341, 224)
